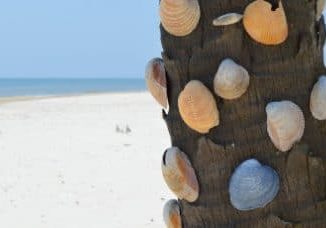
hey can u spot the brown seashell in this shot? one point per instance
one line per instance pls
(179, 17)
(318, 99)
(172, 215)
(197, 107)
(179, 174)
(265, 25)
(320, 7)
(231, 80)
(285, 124)
(155, 77)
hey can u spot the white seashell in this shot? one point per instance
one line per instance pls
(320, 8)
(179, 174)
(253, 185)
(172, 214)
(227, 19)
(285, 124)
(179, 17)
(318, 99)
(155, 77)
(231, 80)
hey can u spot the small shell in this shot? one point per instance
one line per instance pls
(320, 8)
(231, 80)
(197, 107)
(265, 25)
(285, 124)
(318, 99)
(155, 77)
(253, 186)
(227, 19)
(179, 17)
(179, 174)
(172, 215)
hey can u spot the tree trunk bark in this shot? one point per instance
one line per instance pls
(284, 72)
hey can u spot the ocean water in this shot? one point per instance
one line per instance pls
(48, 87)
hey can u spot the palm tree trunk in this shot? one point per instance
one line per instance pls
(283, 72)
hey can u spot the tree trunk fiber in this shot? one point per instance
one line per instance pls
(283, 72)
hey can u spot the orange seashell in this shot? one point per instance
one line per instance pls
(172, 215)
(265, 25)
(179, 17)
(198, 108)
(285, 124)
(155, 77)
(179, 174)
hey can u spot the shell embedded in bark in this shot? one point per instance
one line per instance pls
(285, 124)
(155, 77)
(179, 17)
(198, 108)
(253, 185)
(318, 99)
(227, 19)
(179, 174)
(231, 80)
(265, 25)
(172, 215)
(320, 8)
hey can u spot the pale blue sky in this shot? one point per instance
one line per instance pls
(77, 38)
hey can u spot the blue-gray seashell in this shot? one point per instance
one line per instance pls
(253, 185)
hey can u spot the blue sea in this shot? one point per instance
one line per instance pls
(48, 87)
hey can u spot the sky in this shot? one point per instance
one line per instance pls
(77, 38)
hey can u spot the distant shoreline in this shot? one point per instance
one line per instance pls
(11, 99)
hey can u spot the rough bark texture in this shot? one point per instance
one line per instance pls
(283, 72)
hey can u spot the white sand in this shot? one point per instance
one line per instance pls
(62, 163)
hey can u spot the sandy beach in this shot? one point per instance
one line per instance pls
(88, 161)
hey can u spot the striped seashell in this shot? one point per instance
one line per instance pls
(179, 17)
(172, 214)
(179, 174)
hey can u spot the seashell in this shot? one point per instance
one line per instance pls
(253, 185)
(265, 25)
(179, 17)
(179, 174)
(172, 215)
(285, 124)
(231, 80)
(198, 108)
(155, 77)
(320, 7)
(318, 99)
(227, 19)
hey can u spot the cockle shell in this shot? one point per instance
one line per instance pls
(285, 124)
(179, 17)
(155, 77)
(320, 7)
(253, 185)
(198, 108)
(318, 99)
(227, 19)
(179, 174)
(265, 25)
(172, 215)
(231, 80)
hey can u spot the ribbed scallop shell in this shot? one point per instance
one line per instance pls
(265, 25)
(253, 185)
(198, 108)
(285, 124)
(179, 17)
(155, 77)
(318, 99)
(231, 80)
(172, 215)
(227, 19)
(179, 174)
